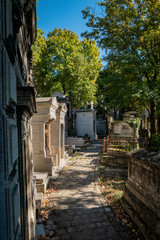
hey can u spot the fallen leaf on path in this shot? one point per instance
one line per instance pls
(41, 237)
(44, 213)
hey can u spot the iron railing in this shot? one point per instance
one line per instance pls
(117, 145)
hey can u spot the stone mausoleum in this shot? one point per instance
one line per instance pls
(86, 123)
(48, 135)
(17, 105)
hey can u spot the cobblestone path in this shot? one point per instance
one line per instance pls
(79, 214)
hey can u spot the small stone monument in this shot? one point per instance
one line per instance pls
(122, 128)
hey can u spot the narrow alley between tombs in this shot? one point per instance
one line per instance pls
(73, 205)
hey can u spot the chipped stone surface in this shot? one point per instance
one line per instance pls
(147, 156)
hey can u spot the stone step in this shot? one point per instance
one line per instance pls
(56, 173)
(41, 177)
(38, 200)
(41, 181)
(54, 169)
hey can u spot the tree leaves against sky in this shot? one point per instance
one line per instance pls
(63, 63)
(129, 31)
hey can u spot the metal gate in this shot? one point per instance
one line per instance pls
(117, 145)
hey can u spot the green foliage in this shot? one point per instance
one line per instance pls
(154, 143)
(135, 121)
(39, 46)
(129, 31)
(63, 63)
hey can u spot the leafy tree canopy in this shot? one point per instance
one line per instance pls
(63, 63)
(129, 31)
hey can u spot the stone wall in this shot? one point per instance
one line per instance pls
(142, 192)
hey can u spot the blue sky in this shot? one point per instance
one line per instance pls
(63, 14)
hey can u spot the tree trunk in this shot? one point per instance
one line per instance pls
(152, 118)
(158, 125)
(64, 89)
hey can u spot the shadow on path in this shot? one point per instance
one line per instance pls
(78, 213)
(81, 224)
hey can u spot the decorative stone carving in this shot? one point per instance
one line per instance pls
(26, 99)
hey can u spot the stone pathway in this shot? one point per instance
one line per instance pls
(79, 213)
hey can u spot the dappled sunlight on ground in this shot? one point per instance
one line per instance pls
(72, 208)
